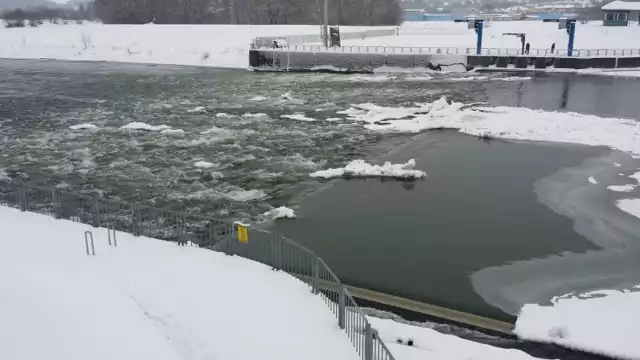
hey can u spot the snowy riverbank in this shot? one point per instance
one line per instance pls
(136, 302)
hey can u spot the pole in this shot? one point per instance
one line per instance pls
(571, 30)
(479, 26)
(325, 27)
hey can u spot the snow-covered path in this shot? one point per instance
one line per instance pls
(149, 299)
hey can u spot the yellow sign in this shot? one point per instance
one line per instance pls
(243, 234)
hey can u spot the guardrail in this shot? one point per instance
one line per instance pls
(434, 50)
(268, 248)
(267, 41)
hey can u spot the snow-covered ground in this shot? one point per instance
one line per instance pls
(539, 34)
(200, 45)
(603, 322)
(152, 299)
(149, 299)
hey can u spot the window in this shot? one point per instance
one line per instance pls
(616, 16)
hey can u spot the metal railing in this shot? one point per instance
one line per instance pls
(267, 41)
(270, 249)
(435, 50)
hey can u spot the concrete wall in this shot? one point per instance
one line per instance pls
(278, 60)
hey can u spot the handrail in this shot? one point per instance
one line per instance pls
(277, 251)
(444, 50)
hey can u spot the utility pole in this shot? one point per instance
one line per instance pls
(325, 27)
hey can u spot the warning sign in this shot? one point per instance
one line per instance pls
(243, 234)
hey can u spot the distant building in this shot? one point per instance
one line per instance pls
(619, 13)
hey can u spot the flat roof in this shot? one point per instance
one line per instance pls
(622, 5)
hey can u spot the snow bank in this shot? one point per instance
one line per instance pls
(631, 206)
(298, 117)
(621, 188)
(145, 126)
(360, 168)
(432, 345)
(281, 212)
(602, 322)
(157, 44)
(149, 299)
(83, 127)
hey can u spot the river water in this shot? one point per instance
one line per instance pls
(495, 225)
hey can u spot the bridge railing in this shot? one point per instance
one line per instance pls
(439, 50)
(271, 249)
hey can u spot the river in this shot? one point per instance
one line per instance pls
(487, 231)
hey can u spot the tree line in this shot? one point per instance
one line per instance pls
(341, 12)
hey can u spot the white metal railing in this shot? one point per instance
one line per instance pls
(434, 50)
(267, 41)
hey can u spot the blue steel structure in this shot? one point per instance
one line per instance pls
(571, 30)
(478, 25)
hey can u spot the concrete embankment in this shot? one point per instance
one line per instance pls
(284, 60)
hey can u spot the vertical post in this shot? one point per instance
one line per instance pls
(341, 306)
(479, 24)
(315, 286)
(571, 30)
(325, 25)
(278, 252)
(368, 342)
(55, 198)
(135, 221)
(95, 213)
(22, 194)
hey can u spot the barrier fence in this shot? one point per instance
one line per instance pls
(451, 50)
(265, 247)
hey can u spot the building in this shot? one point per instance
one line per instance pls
(619, 13)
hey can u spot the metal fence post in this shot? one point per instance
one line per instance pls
(341, 309)
(23, 197)
(316, 275)
(368, 342)
(95, 213)
(55, 199)
(135, 221)
(278, 252)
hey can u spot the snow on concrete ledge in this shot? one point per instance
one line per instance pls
(149, 299)
(360, 168)
(428, 344)
(602, 322)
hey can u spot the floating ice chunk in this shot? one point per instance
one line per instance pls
(223, 115)
(593, 180)
(360, 168)
(197, 110)
(173, 132)
(281, 212)
(333, 119)
(622, 188)
(83, 127)
(298, 116)
(616, 165)
(636, 176)
(160, 106)
(144, 126)
(204, 165)
(258, 98)
(257, 115)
